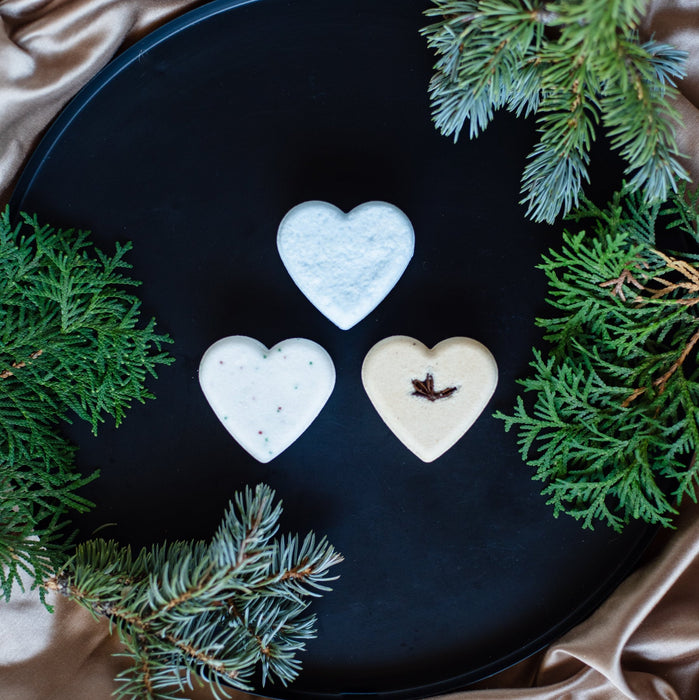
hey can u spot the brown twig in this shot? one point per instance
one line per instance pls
(662, 380)
(145, 667)
(690, 285)
(300, 571)
(201, 657)
(18, 365)
(233, 610)
(617, 284)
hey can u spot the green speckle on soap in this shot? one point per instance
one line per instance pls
(264, 357)
(311, 362)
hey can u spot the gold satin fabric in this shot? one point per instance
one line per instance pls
(48, 50)
(643, 643)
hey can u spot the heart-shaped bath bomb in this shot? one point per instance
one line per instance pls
(345, 264)
(429, 398)
(266, 398)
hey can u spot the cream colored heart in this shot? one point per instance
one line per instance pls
(429, 398)
(265, 398)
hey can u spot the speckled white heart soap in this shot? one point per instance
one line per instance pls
(429, 398)
(266, 398)
(345, 264)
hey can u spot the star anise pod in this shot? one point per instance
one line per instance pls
(425, 389)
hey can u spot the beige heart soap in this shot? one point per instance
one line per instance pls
(429, 398)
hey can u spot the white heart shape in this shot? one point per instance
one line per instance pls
(345, 264)
(463, 373)
(266, 398)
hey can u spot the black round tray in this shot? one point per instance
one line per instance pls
(193, 144)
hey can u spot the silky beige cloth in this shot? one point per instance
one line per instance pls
(643, 643)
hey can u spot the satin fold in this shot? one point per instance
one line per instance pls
(48, 51)
(642, 643)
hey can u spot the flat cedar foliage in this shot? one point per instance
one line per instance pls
(608, 418)
(188, 613)
(72, 345)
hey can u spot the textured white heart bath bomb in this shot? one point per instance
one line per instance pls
(429, 398)
(266, 398)
(345, 264)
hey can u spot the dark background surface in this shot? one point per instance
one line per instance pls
(194, 145)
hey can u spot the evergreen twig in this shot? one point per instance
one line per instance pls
(577, 65)
(613, 427)
(215, 611)
(71, 344)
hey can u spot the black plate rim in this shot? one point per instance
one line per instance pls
(482, 673)
(29, 172)
(116, 65)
